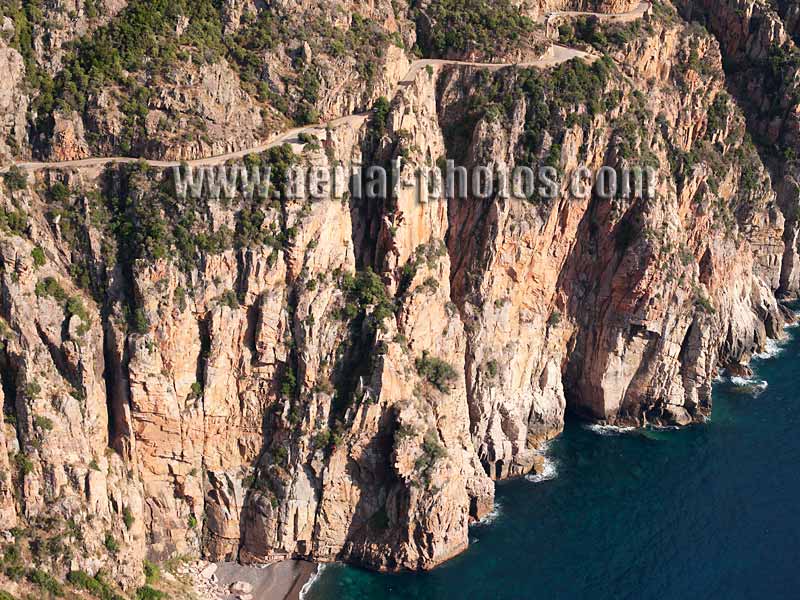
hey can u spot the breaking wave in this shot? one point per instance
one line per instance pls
(609, 430)
(772, 349)
(549, 471)
(311, 581)
(491, 517)
(746, 383)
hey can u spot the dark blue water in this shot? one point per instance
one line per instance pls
(711, 511)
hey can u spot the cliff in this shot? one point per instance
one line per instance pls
(342, 379)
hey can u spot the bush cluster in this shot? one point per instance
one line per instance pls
(488, 27)
(439, 373)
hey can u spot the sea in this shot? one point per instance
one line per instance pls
(709, 511)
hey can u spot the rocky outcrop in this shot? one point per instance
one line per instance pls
(540, 7)
(562, 308)
(66, 20)
(69, 137)
(231, 118)
(762, 60)
(257, 379)
(13, 103)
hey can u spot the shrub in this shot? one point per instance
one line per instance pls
(491, 369)
(192, 522)
(432, 451)
(49, 287)
(24, 463)
(141, 324)
(180, 298)
(380, 112)
(152, 572)
(431, 283)
(43, 423)
(288, 383)
(15, 179)
(111, 543)
(364, 290)
(404, 431)
(554, 319)
(490, 27)
(147, 593)
(127, 517)
(13, 221)
(37, 254)
(45, 581)
(307, 138)
(229, 299)
(94, 585)
(59, 192)
(75, 308)
(436, 371)
(704, 304)
(32, 390)
(280, 455)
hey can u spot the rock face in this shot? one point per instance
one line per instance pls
(197, 80)
(13, 103)
(752, 35)
(598, 6)
(343, 379)
(67, 20)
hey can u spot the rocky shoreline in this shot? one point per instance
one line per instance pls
(231, 581)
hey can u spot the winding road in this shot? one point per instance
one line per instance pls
(555, 56)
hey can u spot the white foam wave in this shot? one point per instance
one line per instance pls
(549, 471)
(609, 430)
(771, 350)
(312, 580)
(664, 427)
(745, 382)
(491, 517)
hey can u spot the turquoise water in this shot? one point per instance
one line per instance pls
(710, 511)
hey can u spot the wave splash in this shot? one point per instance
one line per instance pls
(609, 430)
(549, 470)
(772, 349)
(491, 517)
(747, 384)
(311, 581)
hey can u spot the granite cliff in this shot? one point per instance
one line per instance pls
(250, 379)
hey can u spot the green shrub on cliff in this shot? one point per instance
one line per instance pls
(49, 287)
(438, 373)
(13, 221)
(37, 254)
(111, 543)
(96, 586)
(24, 464)
(432, 452)
(366, 290)
(148, 593)
(43, 423)
(15, 178)
(491, 28)
(152, 572)
(46, 581)
(127, 517)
